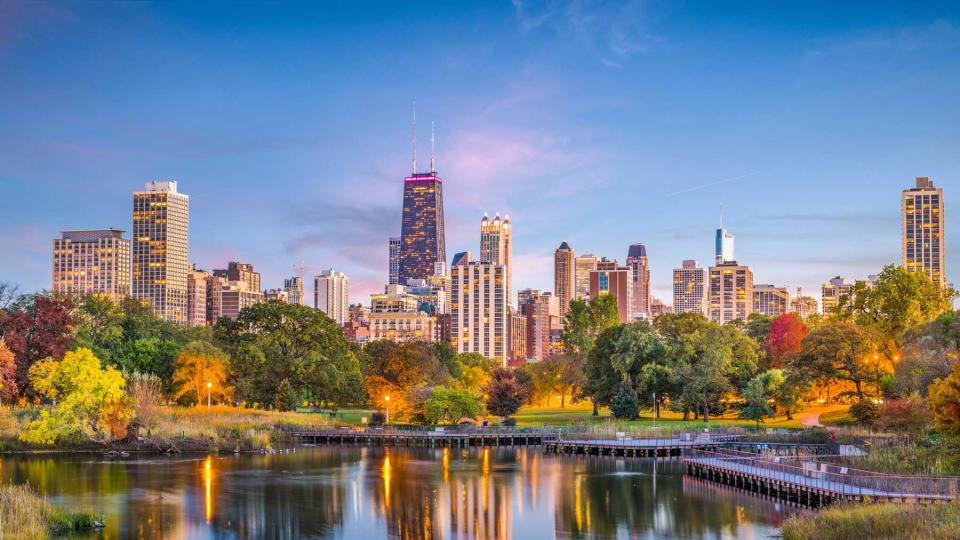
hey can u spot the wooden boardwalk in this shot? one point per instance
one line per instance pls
(645, 447)
(373, 437)
(812, 483)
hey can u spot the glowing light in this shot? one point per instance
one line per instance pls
(208, 488)
(386, 480)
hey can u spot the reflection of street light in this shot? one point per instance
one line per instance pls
(209, 386)
(387, 399)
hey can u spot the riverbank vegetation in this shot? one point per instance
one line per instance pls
(26, 515)
(885, 521)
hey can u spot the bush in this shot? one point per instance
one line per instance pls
(378, 419)
(510, 422)
(864, 411)
(625, 404)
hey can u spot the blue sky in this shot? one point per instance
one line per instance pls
(598, 123)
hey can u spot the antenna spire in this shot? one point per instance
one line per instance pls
(721, 215)
(433, 151)
(414, 137)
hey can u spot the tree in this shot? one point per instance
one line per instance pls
(474, 372)
(600, 379)
(91, 403)
(908, 416)
(758, 327)
(944, 402)
(584, 323)
(785, 336)
(36, 327)
(759, 395)
(557, 374)
(401, 370)
(504, 397)
(625, 403)
(447, 404)
(837, 350)
(201, 371)
(8, 374)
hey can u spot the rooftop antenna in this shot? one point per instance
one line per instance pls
(433, 151)
(414, 137)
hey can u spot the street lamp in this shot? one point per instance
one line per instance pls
(209, 386)
(387, 399)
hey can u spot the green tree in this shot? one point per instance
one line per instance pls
(837, 350)
(584, 323)
(91, 403)
(403, 370)
(449, 405)
(559, 374)
(625, 403)
(600, 379)
(759, 395)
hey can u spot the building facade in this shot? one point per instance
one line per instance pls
(295, 290)
(331, 295)
(833, 292)
(770, 300)
(242, 273)
(92, 262)
(639, 267)
(690, 288)
(393, 260)
(518, 338)
(804, 305)
(583, 265)
(613, 280)
(479, 309)
(542, 313)
(403, 326)
(197, 296)
(160, 250)
(422, 240)
(723, 247)
(922, 226)
(564, 276)
(730, 292)
(496, 246)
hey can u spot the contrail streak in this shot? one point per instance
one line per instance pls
(724, 181)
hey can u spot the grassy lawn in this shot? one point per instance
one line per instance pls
(837, 417)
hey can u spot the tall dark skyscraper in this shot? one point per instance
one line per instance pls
(421, 230)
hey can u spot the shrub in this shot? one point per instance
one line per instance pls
(625, 404)
(378, 419)
(864, 411)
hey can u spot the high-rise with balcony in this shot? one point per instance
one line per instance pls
(92, 262)
(639, 267)
(496, 246)
(922, 227)
(159, 250)
(196, 296)
(690, 288)
(564, 277)
(331, 295)
(479, 309)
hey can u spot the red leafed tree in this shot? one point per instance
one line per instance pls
(786, 333)
(8, 374)
(33, 329)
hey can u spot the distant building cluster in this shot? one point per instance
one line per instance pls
(467, 302)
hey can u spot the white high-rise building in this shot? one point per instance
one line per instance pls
(583, 265)
(496, 246)
(96, 262)
(331, 295)
(478, 309)
(690, 288)
(159, 253)
(394, 261)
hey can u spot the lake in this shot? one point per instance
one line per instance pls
(367, 493)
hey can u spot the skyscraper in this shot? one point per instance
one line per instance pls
(690, 288)
(922, 225)
(770, 300)
(394, 260)
(639, 266)
(583, 265)
(161, 218)
(731, 292)
(611, 279)
(96, 262)
(496, 246)
(479, 309)
(564, 277)
(331, 295)
(421, 232)
(542, 312)
(724, 246)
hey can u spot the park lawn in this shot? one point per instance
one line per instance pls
(582, 413)
(838, 417)
(353, 417)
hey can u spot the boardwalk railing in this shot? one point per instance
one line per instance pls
(828, 477)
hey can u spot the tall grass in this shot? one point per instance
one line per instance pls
(939, 458)
(26, 515)
(939, 521)
(230, 427)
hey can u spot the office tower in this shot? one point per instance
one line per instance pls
(724, 246)
(583, 265)
(803, 305)
(240, 272)
(462, 257)
(923, 230)
(421, 232)
(161, 218)
(611, 279)
(770, 300)
(496, 246)
(479, 309)
(639, 267)
(331, 294)
(295, 290)
(564, 276)
(280, 295)
(730, 292)
(831, 293)
(394, 260)
(518, 338)
(196, 296)
(690, 288)
(94, 262)
(542, 312)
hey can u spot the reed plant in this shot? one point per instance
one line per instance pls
(936, 521)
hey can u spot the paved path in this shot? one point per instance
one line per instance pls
(811, 419)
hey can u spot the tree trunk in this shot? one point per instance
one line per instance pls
(563, 398)
(859, 389)
(686, 415)
(789, 414)
(596, 409)
(706, 412)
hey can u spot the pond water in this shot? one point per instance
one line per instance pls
(368, 493)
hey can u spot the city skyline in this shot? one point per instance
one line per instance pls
(500, 146)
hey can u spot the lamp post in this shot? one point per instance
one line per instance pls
(387, 399)
(209, 386)
(876, 372)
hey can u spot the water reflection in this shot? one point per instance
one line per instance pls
(366, 493)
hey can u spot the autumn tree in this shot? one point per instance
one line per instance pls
(558, 374)
(944, 402)
(8, 374)
(201, 371)
(35, 327)
(837, 350)
(91, 403)
(504, 396)
(783, 339)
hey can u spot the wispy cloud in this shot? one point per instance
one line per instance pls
(938, 35)
(716, 183)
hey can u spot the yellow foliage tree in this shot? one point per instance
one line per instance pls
(91, 403)
(201, 368)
